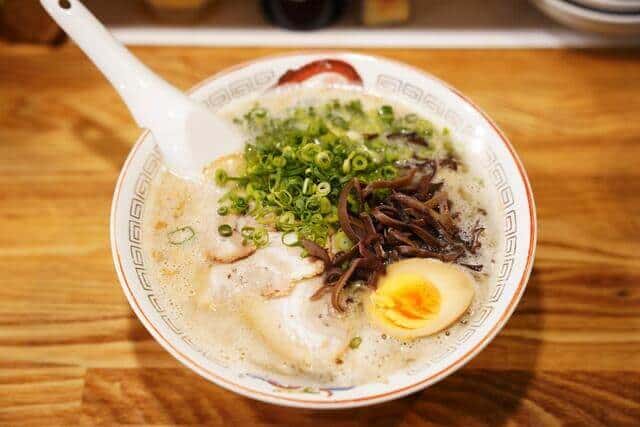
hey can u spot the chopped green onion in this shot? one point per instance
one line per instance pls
(308, 152)
(240, 204)
(181, 235)
(274, 181)
(448, 145)
(325, 205)
(355, 343)
(312, 204)
(388, 172)
(288, 152)
(340, 122)
(411, 118)
(386, 113)
(346, 165)
(223, 210)
(225, 230)
(221, 176)
(323, 159)
(341, 242)
(259, 112)
(260, 237)
(287, 218)
(355, 107)
(279, 161)
(258, 195)
(332, 218)
(247, 232)
(290, 239)
(297, 163)
(323, 188)
(316, 218)
(359, 162)
(294, 187)
(283, 198)
(306, 186)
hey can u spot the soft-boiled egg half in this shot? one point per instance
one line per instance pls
(419, 297)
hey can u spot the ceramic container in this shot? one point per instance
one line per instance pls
(492, 156)
(586, 18)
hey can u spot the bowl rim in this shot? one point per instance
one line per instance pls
(580, 11)
(282, 399)
(616, 7)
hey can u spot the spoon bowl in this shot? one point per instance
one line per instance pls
(187, 134)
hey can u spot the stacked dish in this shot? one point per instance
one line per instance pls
(613, 17)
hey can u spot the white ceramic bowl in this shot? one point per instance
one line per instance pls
(589, 19)
(617, 6)
(493, 156)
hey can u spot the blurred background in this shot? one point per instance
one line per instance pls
(344, 23)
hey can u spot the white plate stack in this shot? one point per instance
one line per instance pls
(614, 17)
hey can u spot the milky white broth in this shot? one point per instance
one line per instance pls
(180, 273)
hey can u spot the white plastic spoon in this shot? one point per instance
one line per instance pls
(189, 135)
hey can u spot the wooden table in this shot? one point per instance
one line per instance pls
(72, 351)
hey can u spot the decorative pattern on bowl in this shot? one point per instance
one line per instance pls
(430, 97)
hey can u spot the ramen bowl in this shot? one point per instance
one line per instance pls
(483, 143)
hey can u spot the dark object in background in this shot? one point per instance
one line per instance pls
(303, 14)
(27, 21)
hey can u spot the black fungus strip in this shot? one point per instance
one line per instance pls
(414, 220)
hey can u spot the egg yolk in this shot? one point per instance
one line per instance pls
(407, 301)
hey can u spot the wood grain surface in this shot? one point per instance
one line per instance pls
(72, 352)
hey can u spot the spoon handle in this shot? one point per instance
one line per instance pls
(146, 94)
